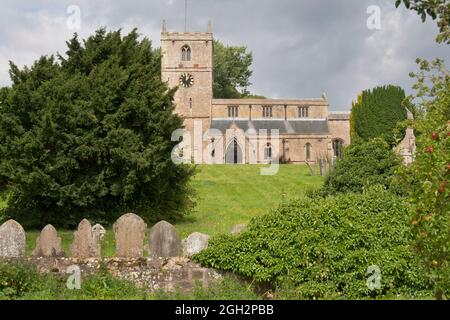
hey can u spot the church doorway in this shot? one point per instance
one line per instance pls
(234, 153)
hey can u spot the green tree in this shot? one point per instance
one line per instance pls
(89, 136)
(231, 71)
(436, 9)
(427, 178)
(377, 113)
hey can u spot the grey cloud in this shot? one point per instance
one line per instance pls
(301, 48)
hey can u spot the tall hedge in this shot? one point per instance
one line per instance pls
(88, 135)
(377, 112)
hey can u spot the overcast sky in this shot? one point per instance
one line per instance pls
(301, 48)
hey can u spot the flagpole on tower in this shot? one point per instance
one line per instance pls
(185, 14)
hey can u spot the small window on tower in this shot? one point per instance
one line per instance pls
(186, 53)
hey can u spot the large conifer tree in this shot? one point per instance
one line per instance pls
(88, 135)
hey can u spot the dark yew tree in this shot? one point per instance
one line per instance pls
(377, 114)
(88, 135)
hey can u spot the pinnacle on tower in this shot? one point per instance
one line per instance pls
(164, 26)
(209, 26)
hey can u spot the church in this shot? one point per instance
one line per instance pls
(240, 131)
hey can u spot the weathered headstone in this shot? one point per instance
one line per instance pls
(237, 229)
(12, 240)
(195, 243)
(129, 231)
(85, 244)
(164, 241)
(48, 244)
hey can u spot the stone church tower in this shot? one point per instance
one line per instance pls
(305, 129)
(187, 62)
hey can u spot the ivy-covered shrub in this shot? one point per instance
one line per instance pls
(322, 247)
(363, 164)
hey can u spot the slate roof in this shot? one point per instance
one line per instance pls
(305, 127)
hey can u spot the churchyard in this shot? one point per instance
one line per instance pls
(227, 195)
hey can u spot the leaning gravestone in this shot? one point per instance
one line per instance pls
(48, 244)
(195, 243)
(129, 231)
(12, 240)
(85, 244)
(164, 241)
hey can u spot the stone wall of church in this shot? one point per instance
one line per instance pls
(340, 128)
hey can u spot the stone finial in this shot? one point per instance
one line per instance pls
(12, 240)
(209, 26)
(324, 96)
(48, 244)
(99, 232)
(129, 231)
(237, 229)
(164, 241)
(85, 243)
(164, 26)
(195, 243)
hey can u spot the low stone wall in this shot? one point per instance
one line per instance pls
(152, 274)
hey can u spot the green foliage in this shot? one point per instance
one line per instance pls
(377, 112)
(23, 282)
(427, 179)
(89, 136)
(436, 9)
(231, 71)
(363, 164)
(322, 247)
(229, 288)
(16, 280)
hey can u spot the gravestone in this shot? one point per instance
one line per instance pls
(129, 231)
(237, 229)
(12, 240)
(195, 243)
(85, 243)
(164, 241)
(48, 244)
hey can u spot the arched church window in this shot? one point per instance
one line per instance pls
(186, 53)
(308, 149)
(337, 148)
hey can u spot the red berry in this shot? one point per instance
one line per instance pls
(430, 149)
(434, 136)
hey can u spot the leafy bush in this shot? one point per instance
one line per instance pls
(377, 112)
(16, 280)
(323, 247)
(89, 136)
(363, 164)
(427, 179)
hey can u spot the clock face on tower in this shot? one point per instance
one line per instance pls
(186, 80)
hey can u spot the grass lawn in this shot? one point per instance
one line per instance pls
(226, 195)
